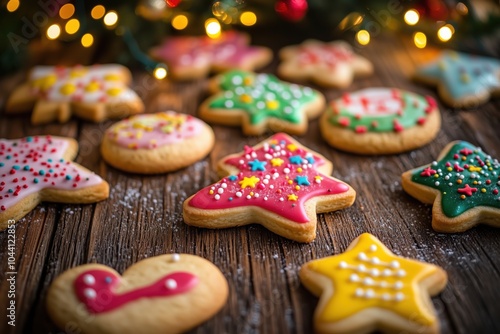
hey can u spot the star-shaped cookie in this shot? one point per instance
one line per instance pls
(261, 102)
(94, 93)
(368, 288)
(278, 183)
(331, 64)
(39, 168)
(463, 185)
(195, 57)
(462, 80)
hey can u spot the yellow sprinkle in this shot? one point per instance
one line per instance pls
(483, 190)
(92, 87)
(211, 192)
(167, 129)
(490, 168)
(114, 91)
(46, 82)
(299, 170)
(251, 193)
(290, 181)
(272, 104)
(112, 77)
(464, 158)
(77, 73)
(449, 169)
(245, 98)
(248, 81)
(459, 181)
(67, 89)
(293, 197)
(436, 175)
(138, 125)
(148, 128)
(475, 169)
(297, 187)
(291, 147)
(462, 196)
(139, 134)
(276, 162)
(475, 182)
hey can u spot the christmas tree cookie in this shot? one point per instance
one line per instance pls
(368, 288)
(463, 185)
(380, 121)
(94, 93)
(260, 102)
(278, 183)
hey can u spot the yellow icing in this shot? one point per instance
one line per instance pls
(475, 169)
(276, 162)
(92, 86)
(77, 73)
(112, 77)
(349, 273)
(67, 89)
(114, 91)
(44, 83)
(291, 147)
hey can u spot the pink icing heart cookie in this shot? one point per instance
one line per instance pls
(278, 183)
(380, 121)
(94, 93)
(39, 168)
(194, 57)
(168, 293)
(157, 143)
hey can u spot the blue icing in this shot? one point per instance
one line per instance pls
(462, 74)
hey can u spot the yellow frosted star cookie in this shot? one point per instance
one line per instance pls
(369, 288)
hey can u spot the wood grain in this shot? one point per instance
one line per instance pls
(143, 216)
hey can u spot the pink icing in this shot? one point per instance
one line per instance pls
(31, 164)
(94, 288)
(276, 183)
(327, 54)
(154, 130)
(230, 50)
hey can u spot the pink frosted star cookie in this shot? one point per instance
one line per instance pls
(156, 143)
(278, 183)
(194, 57)
(331, 64)
(39, 168)
(169, 293)
(94, 93)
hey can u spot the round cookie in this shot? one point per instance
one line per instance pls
(156, 143)
(380, 121)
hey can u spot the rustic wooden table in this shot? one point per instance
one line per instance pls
(143, 215)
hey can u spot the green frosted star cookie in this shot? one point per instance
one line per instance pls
(463, 184)
(261, 102)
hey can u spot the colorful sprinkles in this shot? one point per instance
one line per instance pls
(466, 176)
(277, 176)
(262, 96)
(31, 164)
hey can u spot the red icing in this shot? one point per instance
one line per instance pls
(276, 187)
(94, 288)
(467, 190)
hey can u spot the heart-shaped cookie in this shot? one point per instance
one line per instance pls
(164, 294)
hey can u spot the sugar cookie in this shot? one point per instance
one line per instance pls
(368, 288)
(380, 121)
(94, 93)
(168, 293)
(39, 168)
(278, 183)
(156, 143)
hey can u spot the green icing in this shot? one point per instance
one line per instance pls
(447, 182)
(415, 111)
(262, 96)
